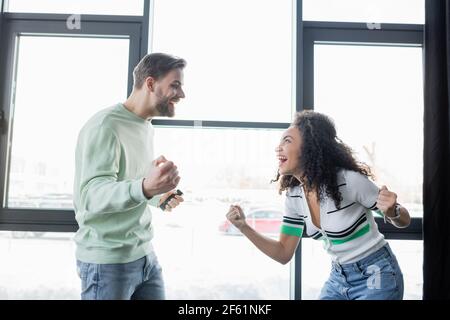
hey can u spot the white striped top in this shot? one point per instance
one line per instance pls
(350, 233)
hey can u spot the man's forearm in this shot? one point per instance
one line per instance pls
(104, 195)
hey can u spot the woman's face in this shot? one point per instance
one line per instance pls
(288, 152)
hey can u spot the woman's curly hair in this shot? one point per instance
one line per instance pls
(322, 155)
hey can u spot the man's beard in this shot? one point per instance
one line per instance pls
(164, 108)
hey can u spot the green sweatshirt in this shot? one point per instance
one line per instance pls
(114, 153)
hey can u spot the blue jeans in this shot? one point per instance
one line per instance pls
(376, 277)
(138, 280)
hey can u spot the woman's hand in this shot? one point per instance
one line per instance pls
(386, 201)
(237, 217)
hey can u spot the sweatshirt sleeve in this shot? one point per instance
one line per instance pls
(98, 162)
(155, 201)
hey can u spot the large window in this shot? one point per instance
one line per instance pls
(239, 56)
(220, 167)
(53, 81)
(370, 82)
(240, 70)
(374, 94)
(60, 83)
(251, 65)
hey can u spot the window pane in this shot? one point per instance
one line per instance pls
(219, 168)
(61, 82)
(38, 266)
(382, 11)
(239, 56)
(375, 96)
(316, 267)
(100, 7)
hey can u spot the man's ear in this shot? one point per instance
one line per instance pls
(150, 83)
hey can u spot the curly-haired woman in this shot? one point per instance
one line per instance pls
(329, 197)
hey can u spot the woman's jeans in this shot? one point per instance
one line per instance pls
(138, 280)
(376, 277)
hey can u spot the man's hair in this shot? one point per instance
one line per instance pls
(155, 65)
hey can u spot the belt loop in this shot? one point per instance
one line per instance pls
(334, 266)
(388, 249)
(358, 267)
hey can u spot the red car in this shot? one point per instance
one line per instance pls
(263, 220)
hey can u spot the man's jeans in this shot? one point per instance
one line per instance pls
(138, 280)
(376, 277)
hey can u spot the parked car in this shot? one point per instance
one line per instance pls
(264, 220)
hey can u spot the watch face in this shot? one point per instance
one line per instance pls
(397, 211)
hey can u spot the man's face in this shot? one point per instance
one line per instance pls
(168, 91)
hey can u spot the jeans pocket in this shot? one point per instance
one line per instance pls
(81, 266)
(82, 269)
(152, 266)
(381, 274)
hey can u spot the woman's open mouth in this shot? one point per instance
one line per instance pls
(282, 160)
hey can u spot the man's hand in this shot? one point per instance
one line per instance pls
(174, 202)
(386, 201)
(163, 178)
(237, 217)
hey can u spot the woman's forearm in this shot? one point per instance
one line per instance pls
(271, 247)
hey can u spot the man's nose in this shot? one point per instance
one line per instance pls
(181, 93)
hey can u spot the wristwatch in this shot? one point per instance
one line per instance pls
(397, 212)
